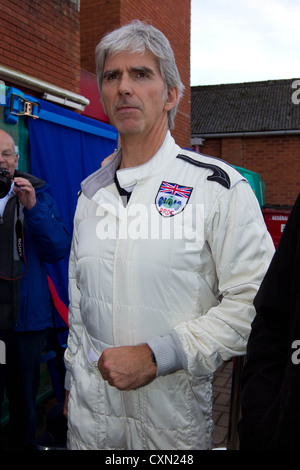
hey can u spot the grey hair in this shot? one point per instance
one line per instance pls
(138, 36)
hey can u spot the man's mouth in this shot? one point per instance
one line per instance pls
(126, 107)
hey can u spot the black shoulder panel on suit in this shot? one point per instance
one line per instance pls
(219, 175)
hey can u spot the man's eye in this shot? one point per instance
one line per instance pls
(111, 76)
(141, 75)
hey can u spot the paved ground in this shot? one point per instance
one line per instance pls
(221, 405)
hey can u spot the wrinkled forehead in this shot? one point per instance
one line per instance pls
(129, 54)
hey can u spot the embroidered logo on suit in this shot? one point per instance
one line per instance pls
(172, 198)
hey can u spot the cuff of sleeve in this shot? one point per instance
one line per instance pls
(168, 352)
(36, 209)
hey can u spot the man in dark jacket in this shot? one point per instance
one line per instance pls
(271, 377)
(31, 234)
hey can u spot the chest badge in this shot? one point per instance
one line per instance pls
(172, 198)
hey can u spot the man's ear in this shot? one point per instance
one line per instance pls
(172, 98)
(16, 160)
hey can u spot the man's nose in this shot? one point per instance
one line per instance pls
(125, 87)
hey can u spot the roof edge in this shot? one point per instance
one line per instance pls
(245, 134)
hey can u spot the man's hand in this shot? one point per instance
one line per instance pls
(127, 367)
(25, 192)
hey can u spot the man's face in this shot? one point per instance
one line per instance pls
(8, 157)
(133, 93)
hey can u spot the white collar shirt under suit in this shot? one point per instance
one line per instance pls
(178, 268)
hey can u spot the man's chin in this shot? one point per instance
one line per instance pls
(129, 128)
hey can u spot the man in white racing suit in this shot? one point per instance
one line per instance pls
(169, 250)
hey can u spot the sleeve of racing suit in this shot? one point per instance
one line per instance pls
(241, 249)
(169, 353)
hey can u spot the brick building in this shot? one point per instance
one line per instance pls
(47, 48)
(41, 40)
(253, 125)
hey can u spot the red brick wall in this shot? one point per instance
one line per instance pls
(275, 158)
(97, 17)
(101, 16)
(42, 39)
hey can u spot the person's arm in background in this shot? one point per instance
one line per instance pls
(268, 345)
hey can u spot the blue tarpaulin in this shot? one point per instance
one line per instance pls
(65, 147)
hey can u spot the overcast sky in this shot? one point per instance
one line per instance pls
(235, 41)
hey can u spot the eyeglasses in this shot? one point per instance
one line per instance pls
(7, 154)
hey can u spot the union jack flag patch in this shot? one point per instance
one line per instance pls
(172, 198)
